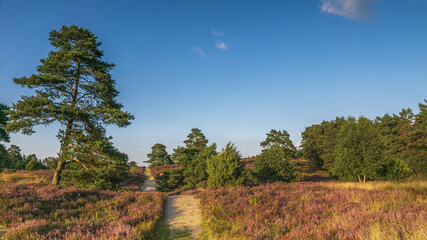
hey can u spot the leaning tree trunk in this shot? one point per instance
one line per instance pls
(67, 135)
(58, 170)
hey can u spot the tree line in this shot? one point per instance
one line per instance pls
(201, 164)
(387, 147)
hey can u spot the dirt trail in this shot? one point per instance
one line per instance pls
(182, 212)
(183, 215)
(149, 183)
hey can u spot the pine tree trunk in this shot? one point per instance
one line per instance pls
(67, 135)
(57, 175)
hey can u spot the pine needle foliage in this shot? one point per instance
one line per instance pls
(73, 86)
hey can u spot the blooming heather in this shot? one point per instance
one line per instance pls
(314, 211)
(34, 211)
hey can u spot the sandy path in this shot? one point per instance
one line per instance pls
(183, 214)
(149, 183)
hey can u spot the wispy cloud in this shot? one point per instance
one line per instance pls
(199, 51)
(354, 9)
(217, 33)
(221, 45)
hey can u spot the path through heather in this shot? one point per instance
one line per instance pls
(149, 183)
(182, 212)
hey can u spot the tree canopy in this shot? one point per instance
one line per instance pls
(280, 139)
(73, 86)
(158, 156)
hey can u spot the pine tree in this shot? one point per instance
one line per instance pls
(225, 169)
(196, 139)
(4, 137)
(158, 156)
(417, 146)
(280, 139)
(74, 88)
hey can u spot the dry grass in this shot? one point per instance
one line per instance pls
(22, 176)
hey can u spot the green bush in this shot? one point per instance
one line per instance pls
(9, 171)
(272, 165)
(106, 177)
(171, 180)
(225, 169)
(397, 170)
(34, 165)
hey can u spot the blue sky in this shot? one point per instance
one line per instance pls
(234, 69)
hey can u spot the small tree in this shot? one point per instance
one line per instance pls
(280, 139)
(15, 158)
(196, 139)
(225, 169)
(273, 165)
(158, 156)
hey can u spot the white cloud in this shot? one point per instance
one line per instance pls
(354, 9)
(199, 51)
(221, 45)
(217, 33)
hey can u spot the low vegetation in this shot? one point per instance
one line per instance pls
(36, 211)
(328, 210)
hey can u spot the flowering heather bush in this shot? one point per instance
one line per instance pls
(315, 211)
(156, 171)
(34, 211)
(21, 176)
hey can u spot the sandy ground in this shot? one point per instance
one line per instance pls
(183, 214)
(149, 183)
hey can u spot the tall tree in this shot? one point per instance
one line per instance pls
(280, 139)
(4, 137)
(417, 146)
(158, 156)
(73, 87)
(16, 160)
(358, 151)
(319, 141)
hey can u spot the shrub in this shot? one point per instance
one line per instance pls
(9, 171)
(397, 170)
(225, 169)
(272, 165)
(34, 165)
(171, 180)
(106, 177)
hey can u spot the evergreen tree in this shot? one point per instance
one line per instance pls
(417, 146)
(196, 139)
(158, 156)
(358, 151)
(273, 165)
(225, 169)
(4, 137)
(16, 160)
(74, 88)
(282, 140)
